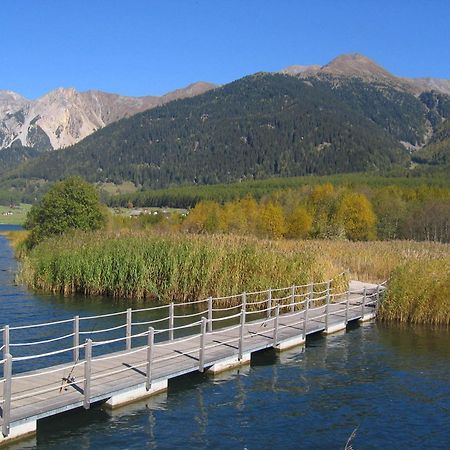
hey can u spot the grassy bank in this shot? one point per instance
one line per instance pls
(187, 267)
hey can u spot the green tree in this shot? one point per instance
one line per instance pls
(69, 204)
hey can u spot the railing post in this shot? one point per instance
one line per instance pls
(244, 301)
(293, 299)
(171, 321)
(305, 317)
(311, 291)
(87, 374)
(377, 304)
(210, 314)
(327, 307)
(76, 338)
(129, 319)
(347, 306)
(269, 303)
(5, 341)
(6, 415)
(275, 328)
(201, 358)
(241, 335)
(150, 340)
(363, 303)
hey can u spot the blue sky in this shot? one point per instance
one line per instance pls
(138, 47)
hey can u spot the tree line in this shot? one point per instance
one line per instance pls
(328, 212)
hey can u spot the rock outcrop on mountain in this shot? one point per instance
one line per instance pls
(296, 69)
(431, 84)
(65, 116)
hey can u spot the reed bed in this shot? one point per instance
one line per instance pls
(183, 268)
(371, 261)
(419, 292)
(175, 267)
(17, 240)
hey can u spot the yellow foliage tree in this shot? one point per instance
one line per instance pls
(203, 218)
(233, 218)
(250, 210)
(271, 221)
(323, 203)
(299, 223)
(355, 214)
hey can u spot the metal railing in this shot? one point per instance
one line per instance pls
(297, 302)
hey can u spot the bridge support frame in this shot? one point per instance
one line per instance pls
(19, 430)
(229, 363)
(127, 396)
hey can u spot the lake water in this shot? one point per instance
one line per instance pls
(389, 383)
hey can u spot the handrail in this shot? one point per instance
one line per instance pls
(119, 313)
(43, 355)
(58, 369)
(37, 325)
(100, 316)
(150, 321)
(366, 297)
(47, 341)
(341, 302)
(105, 330)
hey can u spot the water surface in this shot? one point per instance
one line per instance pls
(389, 383)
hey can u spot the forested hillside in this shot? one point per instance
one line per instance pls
(259, 126)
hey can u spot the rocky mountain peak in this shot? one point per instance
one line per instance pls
(355, 64)
(11, 96)
(64, 116)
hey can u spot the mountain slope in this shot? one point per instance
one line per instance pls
(64, 116)
(349, 115)
(259, 126)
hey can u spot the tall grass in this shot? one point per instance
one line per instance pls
(419, 292)
(168, 267)
(136, 264)
(17, 240)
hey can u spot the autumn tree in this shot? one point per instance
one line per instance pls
(271, 221)
(322, 202)
(299, 223)
(233, 218)
(203, 218)
(390, 210)
(355, 214)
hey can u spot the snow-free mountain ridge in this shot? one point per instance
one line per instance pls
(64, 116)
(360, 66)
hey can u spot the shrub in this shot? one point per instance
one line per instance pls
(69, 204)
